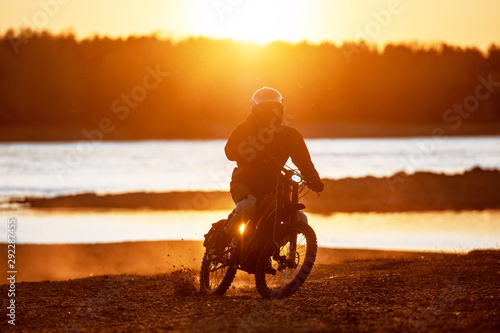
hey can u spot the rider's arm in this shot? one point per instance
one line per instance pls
(302, 159)
(237, 148)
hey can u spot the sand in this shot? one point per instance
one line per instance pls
(400, 293)
(56, 262)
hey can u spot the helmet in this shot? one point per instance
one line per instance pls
(267, 107)
(267, 97)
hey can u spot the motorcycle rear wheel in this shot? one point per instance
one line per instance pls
(281, 276)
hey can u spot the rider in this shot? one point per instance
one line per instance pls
(260, 145)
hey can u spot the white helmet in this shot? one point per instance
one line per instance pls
(267, 97)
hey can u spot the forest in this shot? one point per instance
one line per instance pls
(55, 87)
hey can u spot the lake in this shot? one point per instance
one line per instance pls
(427, 231)
(54, 169)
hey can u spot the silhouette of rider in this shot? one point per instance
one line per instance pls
(259, 146)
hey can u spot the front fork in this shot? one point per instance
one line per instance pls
(278, 218)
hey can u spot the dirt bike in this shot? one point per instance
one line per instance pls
(277, 244)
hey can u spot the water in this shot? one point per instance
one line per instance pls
(427, 231)
(53, 169)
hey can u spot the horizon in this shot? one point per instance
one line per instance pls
(27, 34)
(376, 22)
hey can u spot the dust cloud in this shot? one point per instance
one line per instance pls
(55, 262)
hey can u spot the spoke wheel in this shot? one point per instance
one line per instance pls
(216, 274)
(279, 276)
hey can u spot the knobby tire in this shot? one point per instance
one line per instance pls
(298, 275)
(205, 279)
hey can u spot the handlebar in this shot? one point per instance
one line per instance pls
(290, 173)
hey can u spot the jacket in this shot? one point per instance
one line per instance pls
(261, 152)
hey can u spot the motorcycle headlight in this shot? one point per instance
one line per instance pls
(296, 178)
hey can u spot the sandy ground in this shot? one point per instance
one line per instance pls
(398, 292)
(70, 261)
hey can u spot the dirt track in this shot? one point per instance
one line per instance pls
(446, 293)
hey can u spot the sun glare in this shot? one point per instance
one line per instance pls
(263, 21)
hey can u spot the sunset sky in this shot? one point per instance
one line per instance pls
(461, 22)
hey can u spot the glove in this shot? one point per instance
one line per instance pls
(317, 185)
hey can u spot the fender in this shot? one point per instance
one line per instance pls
(293, 207)
(213, 233)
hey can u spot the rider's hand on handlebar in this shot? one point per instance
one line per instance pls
(317, 185)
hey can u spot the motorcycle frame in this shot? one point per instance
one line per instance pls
(283, 209)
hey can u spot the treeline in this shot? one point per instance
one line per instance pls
(55, 87)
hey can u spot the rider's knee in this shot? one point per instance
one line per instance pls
(252, 201)
(248, 204)
(244, 211)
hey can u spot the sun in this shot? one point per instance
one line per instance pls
(261, 21)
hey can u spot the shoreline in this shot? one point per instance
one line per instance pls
(476, 189)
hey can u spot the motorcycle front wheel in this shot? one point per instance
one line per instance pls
(283, 267)
(216, 275)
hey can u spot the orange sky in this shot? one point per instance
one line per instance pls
(462, 22)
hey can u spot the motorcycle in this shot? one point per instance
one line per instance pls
(277, 245)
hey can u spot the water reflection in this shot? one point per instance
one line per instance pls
(442, 231)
